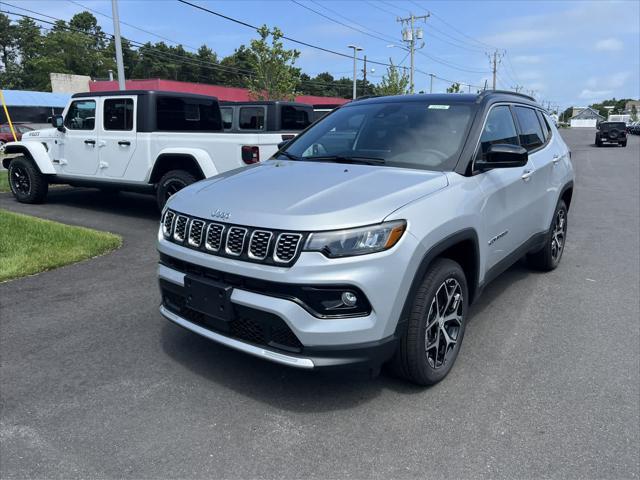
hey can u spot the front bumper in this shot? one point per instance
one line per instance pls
(310, 341)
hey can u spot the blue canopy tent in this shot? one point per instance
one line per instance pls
(32, 107)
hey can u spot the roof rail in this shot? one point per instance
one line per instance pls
(507, 92)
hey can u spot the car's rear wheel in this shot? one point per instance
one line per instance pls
(548, 257)
(171, 183)
(27, 184)
(623, 143)
(427, 351)
(598, 142)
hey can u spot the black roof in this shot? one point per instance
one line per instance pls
(115, 93)
(493, 95)
(264, 102)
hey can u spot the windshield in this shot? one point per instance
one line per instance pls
(609, 126)
(400, 134)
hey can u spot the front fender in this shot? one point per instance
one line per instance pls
(34, 150)
(202, 157)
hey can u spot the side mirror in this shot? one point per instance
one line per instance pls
(503, 156)
(281, 145)
(57, 121)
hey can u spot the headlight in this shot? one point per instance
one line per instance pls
(356, 241)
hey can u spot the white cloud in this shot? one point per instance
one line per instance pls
(520, 37)
(608, 45)
(588, 94)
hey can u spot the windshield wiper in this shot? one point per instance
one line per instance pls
(348, 159)
(290, 156)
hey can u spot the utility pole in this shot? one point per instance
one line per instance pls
(431, 83)
(116, 34)
(364, 73)
(410, 35)
(517, 88)
(356, 49)
(495, 60)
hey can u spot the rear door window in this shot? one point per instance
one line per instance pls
(81, 115)
(499, 129)
(118, 114)
(546, 129)
(294, 118)
(531, 136)
(227, 117)
(251, 118)
(176, 114)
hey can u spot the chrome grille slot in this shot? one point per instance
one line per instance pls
(259, 244)
(235, 241)
(180, 228)
(195, 233)
(286, 247)
(167, 223)
(214, 237)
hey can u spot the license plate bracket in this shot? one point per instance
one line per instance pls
(209, 297)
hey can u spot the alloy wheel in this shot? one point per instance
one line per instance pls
(444, 323)
(20, 180)
(558, 234)
(173, 187)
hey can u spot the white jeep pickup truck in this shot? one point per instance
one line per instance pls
(137, 140)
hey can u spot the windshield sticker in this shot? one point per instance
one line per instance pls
(439, 107)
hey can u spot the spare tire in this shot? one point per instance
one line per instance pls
(614, 133)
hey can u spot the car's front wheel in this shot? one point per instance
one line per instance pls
(427, 351)
(171, 183)
(548, 257)
(27, 184)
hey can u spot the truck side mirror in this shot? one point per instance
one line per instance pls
(283, 144)
(57, 121)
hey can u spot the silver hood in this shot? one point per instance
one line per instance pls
(292, 195)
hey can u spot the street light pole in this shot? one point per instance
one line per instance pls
(356, 49)
(116, 34)
(431, 83)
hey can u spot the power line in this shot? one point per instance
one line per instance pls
(375, 5)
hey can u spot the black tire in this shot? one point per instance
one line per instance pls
(623, 144)
(549, 256)
(27, 184)
(415, 359)
(170, 183)
(598, 142)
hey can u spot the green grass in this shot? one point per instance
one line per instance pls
(30, 245)
(4, 181)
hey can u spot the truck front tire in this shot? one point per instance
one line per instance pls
(27, 184)
(171, 183)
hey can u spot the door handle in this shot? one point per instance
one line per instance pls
(556, 159)
(90, 142)
(124, 143)
(526, 176)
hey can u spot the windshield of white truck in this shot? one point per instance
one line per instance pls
(399, 134)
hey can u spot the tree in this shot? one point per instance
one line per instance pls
(634, 113)
(454, 88)
(393, 82)
(275, 77)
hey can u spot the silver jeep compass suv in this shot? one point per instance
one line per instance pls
(366, 238)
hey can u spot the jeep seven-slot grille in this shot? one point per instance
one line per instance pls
(267, 246)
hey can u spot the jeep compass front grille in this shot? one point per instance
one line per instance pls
(272, 247)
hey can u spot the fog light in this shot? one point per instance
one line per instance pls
(349, 299)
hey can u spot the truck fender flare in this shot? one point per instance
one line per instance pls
(200, 156)
(36, 151)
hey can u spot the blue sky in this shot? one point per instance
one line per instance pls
(568, 52)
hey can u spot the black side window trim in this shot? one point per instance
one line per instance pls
(473, 170)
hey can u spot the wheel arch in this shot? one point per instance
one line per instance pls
(195, 161)
(461, 247)
(34, 151)
(566, 194)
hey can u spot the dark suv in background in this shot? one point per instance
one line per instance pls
(611, 132)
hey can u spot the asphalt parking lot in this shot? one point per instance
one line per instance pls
(96, 384)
